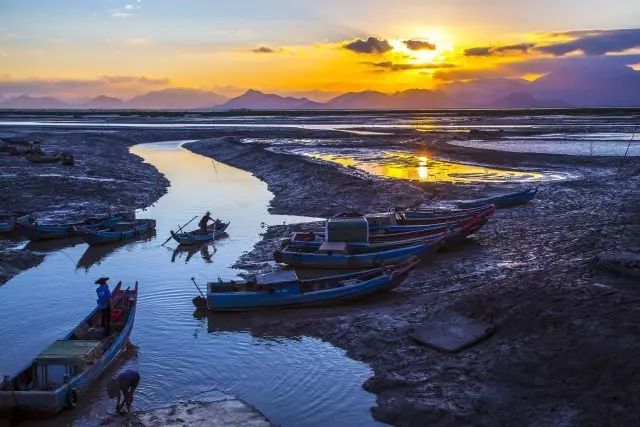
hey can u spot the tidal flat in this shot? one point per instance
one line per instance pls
(564, 350)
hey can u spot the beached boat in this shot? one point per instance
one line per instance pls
(117, 231)
(429, 212)
(285, 289)
(198, 236)
(343, 255)
(60, 374)
(394, 222)
(42, 158)
(501, 201)
(8, 221)
(34, 230)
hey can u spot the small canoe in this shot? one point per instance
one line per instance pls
(116, 232)
(199, 236)
(42, 158)
(425, 212)
(501, 201)
(8, 221)
(35, 230)
(285, 290)
(341, 255)
(59, 376)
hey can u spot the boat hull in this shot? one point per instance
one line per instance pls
(503, 201)
(193, 237)
(34, 231)
(289, 295)
(93, 235)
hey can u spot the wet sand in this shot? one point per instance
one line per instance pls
(567, 337)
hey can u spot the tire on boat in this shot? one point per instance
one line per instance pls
(73, 398)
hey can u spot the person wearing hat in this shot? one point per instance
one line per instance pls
(124, 384)
(204, 221)
(104, 303)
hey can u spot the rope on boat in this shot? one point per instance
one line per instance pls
(633, 134)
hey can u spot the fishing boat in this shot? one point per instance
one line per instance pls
(43, 158)
(395, 221)
(8, 221)
(284, 289)
(199, 236)
(117, 231)
(429, 212)
(342, 255)
(60, 374)
(34, 230)
(501, 201)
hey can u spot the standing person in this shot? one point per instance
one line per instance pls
(204, 221)
(124, 384)
(104, 303)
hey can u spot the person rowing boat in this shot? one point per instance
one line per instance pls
(204, 221)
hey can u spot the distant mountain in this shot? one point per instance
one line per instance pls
(256, 100)
(176, 99)
(525, 100)
(30, 102)
(103, 102)
(407, 99)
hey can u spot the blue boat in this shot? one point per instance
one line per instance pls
(284, 289)
(318, 241)
(341, 255)
(426, 212)
(33, 230)
(398, 222)
(199, 236)
(116, 232)
(502, 201)
(59, 375)
(8, 221)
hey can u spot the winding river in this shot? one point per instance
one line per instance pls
(294, 381)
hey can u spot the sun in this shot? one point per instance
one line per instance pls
(438, 38)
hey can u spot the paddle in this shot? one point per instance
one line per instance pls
(179, 230)
(194, 282)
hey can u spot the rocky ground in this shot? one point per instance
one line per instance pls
(564, 351)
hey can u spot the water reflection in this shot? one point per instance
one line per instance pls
(94, 255)
(205, 249)
(421, 167)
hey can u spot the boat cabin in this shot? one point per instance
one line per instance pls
(347, 228)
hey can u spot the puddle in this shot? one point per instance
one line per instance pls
(294, 381)
(582, 144)
(421, 167)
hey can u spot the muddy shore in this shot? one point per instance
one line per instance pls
(566, 340)
(564, 351)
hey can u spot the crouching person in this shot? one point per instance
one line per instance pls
(123, 384)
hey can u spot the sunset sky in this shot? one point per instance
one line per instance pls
(123, 48)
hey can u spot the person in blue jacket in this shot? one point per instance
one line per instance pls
(104, 303)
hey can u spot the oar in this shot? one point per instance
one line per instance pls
(194, 282)
(179, 230)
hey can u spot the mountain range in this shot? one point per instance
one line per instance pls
(613, 89)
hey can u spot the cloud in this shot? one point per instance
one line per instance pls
(594, 42)
(419, 45)
(395, 66)
(371, 45)
(498, 50)
(263, 49)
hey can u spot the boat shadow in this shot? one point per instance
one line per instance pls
(53, 245)
(94, 255)
(206, 250)
(259, 323)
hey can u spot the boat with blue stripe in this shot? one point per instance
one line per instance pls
(34, 230)
(116, 232)
(285, 290)
(199, 236)
(8, 221)
(59, 376)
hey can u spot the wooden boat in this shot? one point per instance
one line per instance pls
(284, 289)
(8, 221)
(42, 158)
(342, 255)
(501, 201)
(117, 231)
(394, 222)
(429, 212)
(198, 236)
(35, 230)
(60, 374)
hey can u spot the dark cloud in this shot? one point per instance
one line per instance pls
(395, 66)
(370, 45)
(496, 50)
(263, 49)
(594, 42)
(419, 45)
